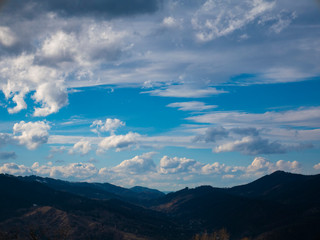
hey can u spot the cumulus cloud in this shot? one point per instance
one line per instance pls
(110, 125)
(191, 106)
(137, 165)
(82, 146)
(60, 58)
(31, 134)
(180, 172)
(177, 165)
(14, 169)
(119, 142)
(261, 166)
(52, 97)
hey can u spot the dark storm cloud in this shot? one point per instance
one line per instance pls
(104, 8)
(2, 2)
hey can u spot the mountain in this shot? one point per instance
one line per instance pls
(277, 206)
(283, 187)
(137, 195)
(31, 207)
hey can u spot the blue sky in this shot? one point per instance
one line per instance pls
(159, 93)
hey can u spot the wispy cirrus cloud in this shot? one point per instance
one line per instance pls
(191, 106)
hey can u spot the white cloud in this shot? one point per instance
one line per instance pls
(302, 117)
(52, 97)
(60, 46)
(214, 168)
(317, 166)
(14, 169)
(110, 125)
(183, 91)
(31, 134)
(137, 165)
(72, 170)
(252, 146)
(191, 106)
(216, 18)
(180, 172)
(261, 166)
(7, 37)
(177, 165)
(57, 60)
(288, 166)
(20, 75)
(119, 142)
(82, 146)
(171, 22)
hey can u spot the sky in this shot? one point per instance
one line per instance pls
(165, 94)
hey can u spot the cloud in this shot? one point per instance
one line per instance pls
(261, 166)
(213, 134)
(191, 106)
(14, 169)
(317, 166)
(177, 165)
(110, 125)
(137, 165)
(31, 134)
(7, 37)
(72, 170)
(60, 58)
(179, 172)
(302, 117)
(252, 146)
(216, 19)
(7, 155)
(119, 142)
(52, 97)
(244, 140)
(82, 146)
(20, 76)
(182, 91)
(172, 23)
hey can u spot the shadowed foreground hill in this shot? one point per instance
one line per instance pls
(277, 206)
(33, 208)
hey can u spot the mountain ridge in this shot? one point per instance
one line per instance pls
(276, 206)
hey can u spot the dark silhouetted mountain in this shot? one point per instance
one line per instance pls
(283, 187)
(31, 206)
(277, 206)
(137, 195)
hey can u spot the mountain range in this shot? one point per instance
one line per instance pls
(277, 206)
